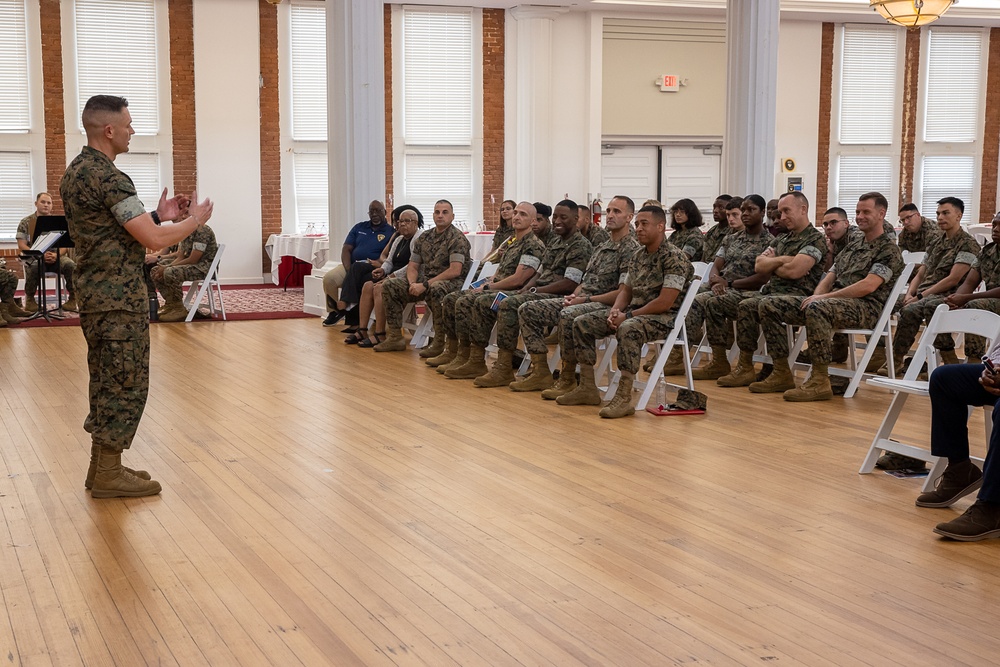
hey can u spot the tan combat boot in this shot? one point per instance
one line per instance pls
(70, 304)
(95, 452)
(780, 379)
(473, 367)
(434, 349)
(949, 357)
(501, 374)
(877, 361)
(675, 362)
(553, 337)
(446, 356)
(900, 367)
(173, 311)
(111, 480)
(16, 310)
(717, 368)
(566, 382)
(30, 304)
(393, 342)
(540, 377)
(742, 375)
(815, 388)
(586, 392)
(621, 404)
(461, 356)
(6, 316)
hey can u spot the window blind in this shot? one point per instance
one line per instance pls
(868, 84)
(144, 170)
(116, 55)
(14, 114)
(308, 41)
(948, 176)
(430, 177)
(858, 174)
(16, 198)
(953, 88)
(312, 201)
(437, 77)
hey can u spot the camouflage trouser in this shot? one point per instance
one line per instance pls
(476, 318)
(508, 326)
(446, 324)
(536, 316)
(910, 319)
(567, 343)
(697, 315)
(975, 346)
(633, 332)
(8, 284)
(118, 362)
(820, 319)
(396, 294)
(720, 311)
(170, 285)
(66, 269)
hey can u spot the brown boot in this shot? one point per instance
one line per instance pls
(473, 367)
(70, 304)
(393, 342)
(566, 382)
(553, 337)
(650, 360)
(949, 357)
(621, 404)
(434, 349)
(718, 368)
(111, 480)
(16, 310)
(95, 452)
(461, 356)
(30, 304)
(815, 388)
(501, 374)
(6, 316)
(586, 393)
(877, 361)
(839, 349)
(780, 379)
(540, 377)
(742, 375)
(173, 311)
(958, 480)
(675, 362)
(446, 356)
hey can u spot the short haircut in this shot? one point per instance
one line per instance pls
(725, 198)
(445, 201)
(39, 195)
(909, 207)
(837, 211)
(568, 203)
(99, 105)
(879, 199)
(543, 210)
(629, 204)
(659, 215)
(954, 201)
(757, 200)
(734, 202)
(694, 218)
(799, 197)
(398, 211)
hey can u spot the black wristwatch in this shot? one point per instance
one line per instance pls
(729, 283)
(628, 313)
(427, 285)
(156, 216)
(920, 295)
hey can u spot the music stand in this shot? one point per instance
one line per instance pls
(51, 232)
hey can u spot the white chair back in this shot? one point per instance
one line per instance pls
(201, 287)
(913, 257)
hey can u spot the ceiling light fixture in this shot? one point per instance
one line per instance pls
(911, 13)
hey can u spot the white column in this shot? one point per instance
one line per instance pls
(355, 110)
(748, 155)
(529, 102)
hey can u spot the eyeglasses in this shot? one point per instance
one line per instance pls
(831, 223)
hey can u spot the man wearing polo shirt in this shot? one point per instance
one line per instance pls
(364, 242)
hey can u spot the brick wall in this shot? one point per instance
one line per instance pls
(493, 114)
(181, 18)
(991, 133)
(270, 142)
(55, 117)
(911, 81)
(387, 68)
(825, 106)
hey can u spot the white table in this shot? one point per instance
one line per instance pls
(481, 243)
(312, 249)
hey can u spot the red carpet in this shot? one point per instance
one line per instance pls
(243, 302)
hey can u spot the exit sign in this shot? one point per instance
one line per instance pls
(669, 83)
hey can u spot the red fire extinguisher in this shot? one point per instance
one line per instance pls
(596, 209)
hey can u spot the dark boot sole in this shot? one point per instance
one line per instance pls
(968, 538)
(958, 496)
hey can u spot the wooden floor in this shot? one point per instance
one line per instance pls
(326, 505)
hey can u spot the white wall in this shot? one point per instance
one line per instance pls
(571, 80)
(226, 71)
(797, 132)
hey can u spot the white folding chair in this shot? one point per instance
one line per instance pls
(944, 321)
(911, 257)
(199, 288)
(424, 329)
(677, 336)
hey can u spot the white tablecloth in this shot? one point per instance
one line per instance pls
(312, 249)
(481, 242)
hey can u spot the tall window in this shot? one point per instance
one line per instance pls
(438, 83)
(15, 120)
(309, 122)
(118, 53)
(866, 147)
(949, 146)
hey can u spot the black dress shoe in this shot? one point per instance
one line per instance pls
(333, 317)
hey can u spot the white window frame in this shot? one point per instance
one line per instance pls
(974, 149)
(475, 151)
(161, 143)
(840, 149)
(33, 140)
(290, 147)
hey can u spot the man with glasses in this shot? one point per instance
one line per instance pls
(917, 230)
(839, 233)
